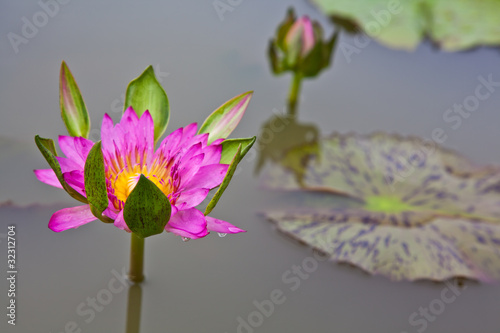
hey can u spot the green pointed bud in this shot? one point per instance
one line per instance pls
(73, 110)
(147, 209)
(95, 183)
(220, 123)
(48, 150)
(146, 93)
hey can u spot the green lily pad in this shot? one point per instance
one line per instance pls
(453, 25)
(417, 205)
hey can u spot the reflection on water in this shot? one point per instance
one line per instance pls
(134, 303)
(282, 133)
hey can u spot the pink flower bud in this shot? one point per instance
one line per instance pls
(300, 37)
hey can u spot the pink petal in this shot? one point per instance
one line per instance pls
(208, 176)
(120, 222)
(188, 132)
(190, 168)
(188, 223)
(218, 141)
(221, 226)
(146, 134)
(191, 198)
(107, 134)
(212, 154)
(200, 138)
(83, 147)
(67, 144)
(68, 218)
(47, 176)
(129, 120)
(110, 213)
(76, 180)
(308, 36)
(192, 151)
(68, 165)
(170, 142)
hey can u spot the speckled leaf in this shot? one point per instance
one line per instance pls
(48, 150)
(147, 210)
(454, 25)
(146, 93)
(418, 172)
(95, 182)
(73, 110)
(438, 250)
(407, 188)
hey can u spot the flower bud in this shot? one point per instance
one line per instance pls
(299, 47)
(299, 40)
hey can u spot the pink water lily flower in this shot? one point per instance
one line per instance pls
(184, 167)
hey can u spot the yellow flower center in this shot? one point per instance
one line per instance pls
(125, 182)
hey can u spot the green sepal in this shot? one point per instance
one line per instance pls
(95, 183)
(328, 49)
(146, 93)
(48, 150)
(235, 149)
(230, 147)
(230, 172)
(320, 56)
(73, 110)
(284, 27)
(147, 209)
(276, 63)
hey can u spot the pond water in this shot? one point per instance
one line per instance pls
(220, 284)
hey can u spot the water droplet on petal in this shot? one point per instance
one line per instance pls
(221, 234)
(185, 239)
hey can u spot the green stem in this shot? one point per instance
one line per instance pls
(136, 259)
(293, 96)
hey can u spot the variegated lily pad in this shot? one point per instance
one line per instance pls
(453, 25)
(424, 212)
(440, 249)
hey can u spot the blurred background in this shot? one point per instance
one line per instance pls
(203, 56)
